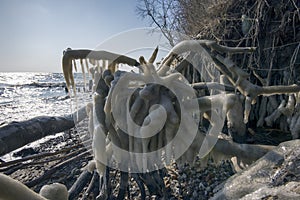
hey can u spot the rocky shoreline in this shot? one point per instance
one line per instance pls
(275, 175)
(184, 182)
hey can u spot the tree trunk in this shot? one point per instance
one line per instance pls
(18, 134)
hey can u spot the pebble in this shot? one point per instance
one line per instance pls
(195, 194)
(187, 182)
(183, 176)
(201, 186)
(198, 183)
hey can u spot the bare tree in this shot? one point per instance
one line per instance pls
(272, 27)
(164, 14)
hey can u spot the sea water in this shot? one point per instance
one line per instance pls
(24, 95)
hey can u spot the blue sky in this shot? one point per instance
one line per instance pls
(34, 33)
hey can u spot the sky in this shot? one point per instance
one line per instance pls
(34, 33)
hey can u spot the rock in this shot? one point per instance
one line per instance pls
(275, 175)
(54, 191)
(208, 189)
(184, 176)
(289, 191)
(201, 186)
(195, 194)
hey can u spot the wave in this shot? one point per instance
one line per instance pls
(33, 84)
(26, 95)
(51, 84)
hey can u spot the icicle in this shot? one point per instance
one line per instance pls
(99, 139)
(89, 111)
(106, 64)
(248, 101)
(295, 126)
(92, 61)
(74, 64)
(83, 73)
(152, 124)
(98, 66)
(87, 65)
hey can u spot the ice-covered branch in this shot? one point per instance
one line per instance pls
(70, 56)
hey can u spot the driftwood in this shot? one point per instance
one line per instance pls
(18, 163)
(18, 134)
(70, 56)
(80, 183)
(13, 189)
(248, 153)
(91, 187)
(49, 172)
(37, 156)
